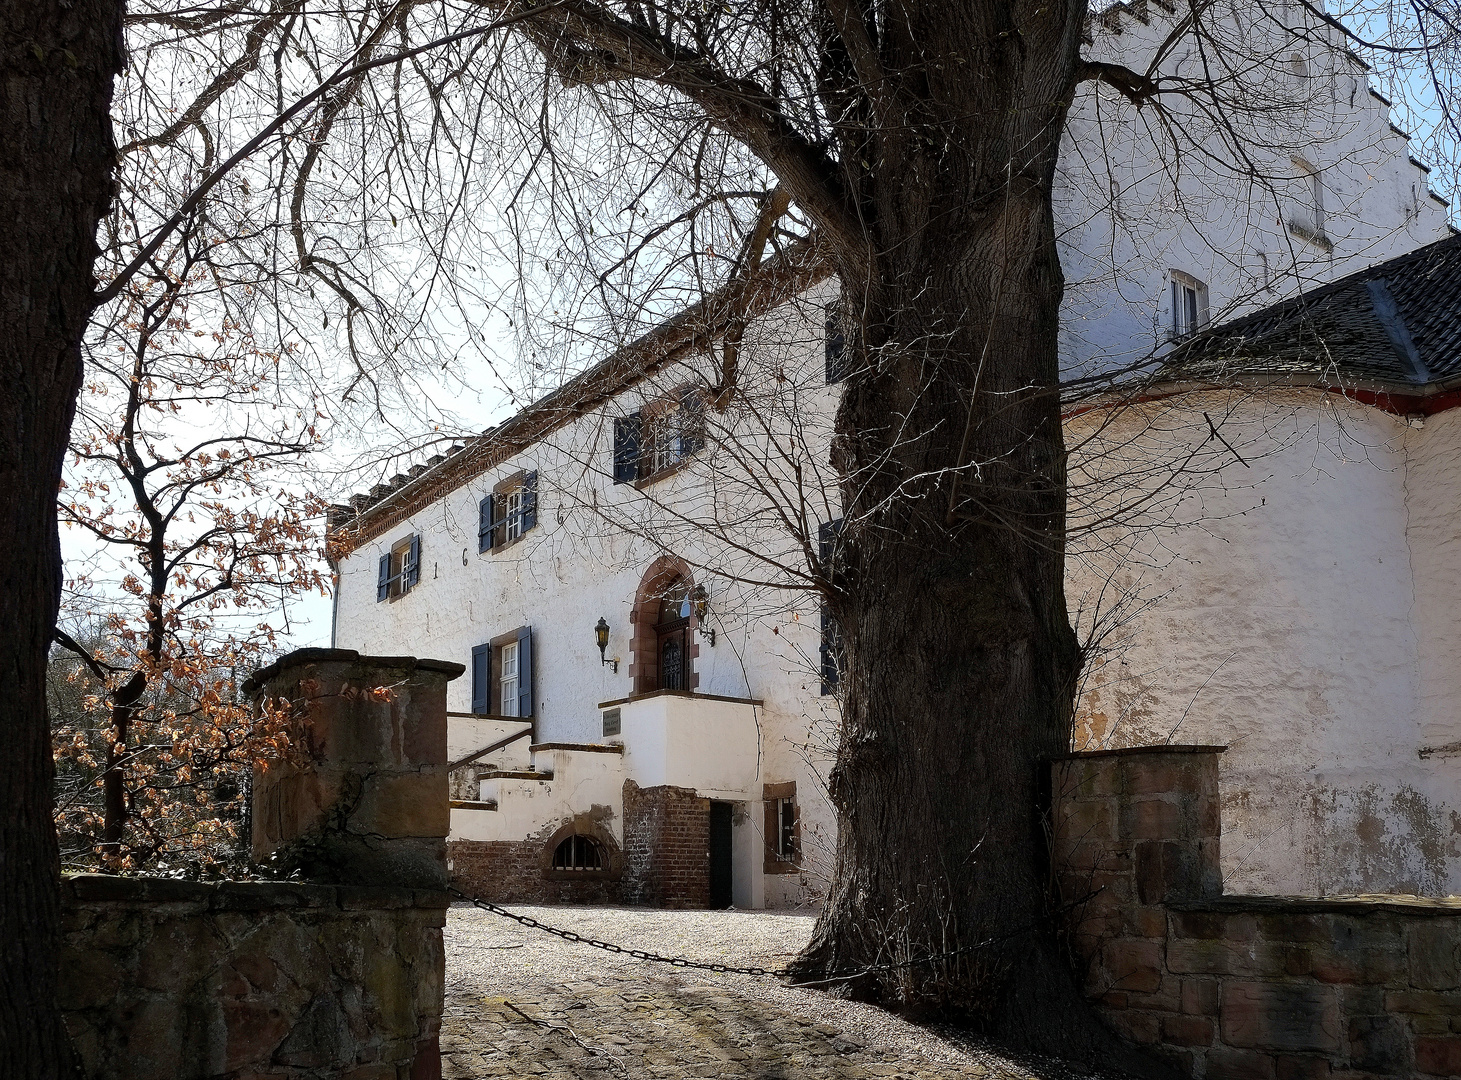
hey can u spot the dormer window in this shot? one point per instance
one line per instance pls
(1189, 305)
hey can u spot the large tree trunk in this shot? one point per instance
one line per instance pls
(960, 660)
(58, 59)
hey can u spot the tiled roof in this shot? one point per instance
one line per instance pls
(1395, 325)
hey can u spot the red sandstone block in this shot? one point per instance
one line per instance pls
(1085, 820)
(1151, 819)
(1147, 922)
(1225, 1063)
(1200, 997)
(1300, 1067)
(1139, 1027)
(1438, 1056)
(1364, 967)
(1133, 965)
(1434, 949)
(1167, 998)
(1280, 1016)
(1298, 927)
(1187, 1030)
(1154, 774)
(1424, 1002)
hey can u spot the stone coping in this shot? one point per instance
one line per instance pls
(300, 657)
(587, 748)
(244, 895)
(514, 774)
(1357, 904)
(1080, 755)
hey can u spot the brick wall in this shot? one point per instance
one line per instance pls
(1241, 987)
(511, 871)
(666, 847)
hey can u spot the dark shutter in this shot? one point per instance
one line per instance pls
(836, 344)
(525, 671)
(411, 572)
(692, 423)
(530, 500)
(626, 448)
(484, 523)
(383, 579)
(830, 650)
(481, 678)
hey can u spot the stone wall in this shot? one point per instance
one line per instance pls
(666, 847)
(168, 979)
(512, 872)
(1241, 987)
(337, 976)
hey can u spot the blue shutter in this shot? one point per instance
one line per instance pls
(626, 448)
(530, 500)
(836, 344)
(692, 423)
(830, 651)
(484, 523)
(525, 671)
(411, 572)
(383, 579)
(481, 678)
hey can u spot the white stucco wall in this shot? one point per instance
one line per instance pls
(1134, 203)
(1303, 614)
(1286, 619)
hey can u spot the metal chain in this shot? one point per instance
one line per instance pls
(728, 969)
(637, 954)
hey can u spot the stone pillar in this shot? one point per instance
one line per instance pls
(1138, 826)
(365, 802)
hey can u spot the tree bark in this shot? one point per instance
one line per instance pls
(58, 59)
(960, 664)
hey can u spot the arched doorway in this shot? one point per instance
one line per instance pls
(662, 647)
(672, 634)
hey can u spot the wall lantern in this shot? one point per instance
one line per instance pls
(601, 635)
(697, 603)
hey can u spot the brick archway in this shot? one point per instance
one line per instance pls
(643, 641)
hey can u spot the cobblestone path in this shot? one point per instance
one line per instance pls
(523, 1004)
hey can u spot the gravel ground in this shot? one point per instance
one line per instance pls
(521, 1002)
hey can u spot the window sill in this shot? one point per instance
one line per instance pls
(510, 544)
(774, 864)
(665, 473)
(1318, 239)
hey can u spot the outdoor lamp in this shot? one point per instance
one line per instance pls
(601, 634)
(697, 603)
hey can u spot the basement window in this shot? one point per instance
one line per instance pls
(580, 853)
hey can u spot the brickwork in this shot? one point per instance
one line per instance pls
(511, 872)
(666, 847)
(1241, 987)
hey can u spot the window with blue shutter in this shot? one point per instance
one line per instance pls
(691, 422)
(529, 505)
(627, 431)
(383, 579)
(411, 570)
(525, 671)
(481, 678)
(485, 524)
(830, 651)
(836, 343)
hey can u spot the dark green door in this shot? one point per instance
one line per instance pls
(720, 854)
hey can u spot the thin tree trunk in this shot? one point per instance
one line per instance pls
(58, 59)
(961, 663)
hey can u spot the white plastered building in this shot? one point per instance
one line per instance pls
(649, 716)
